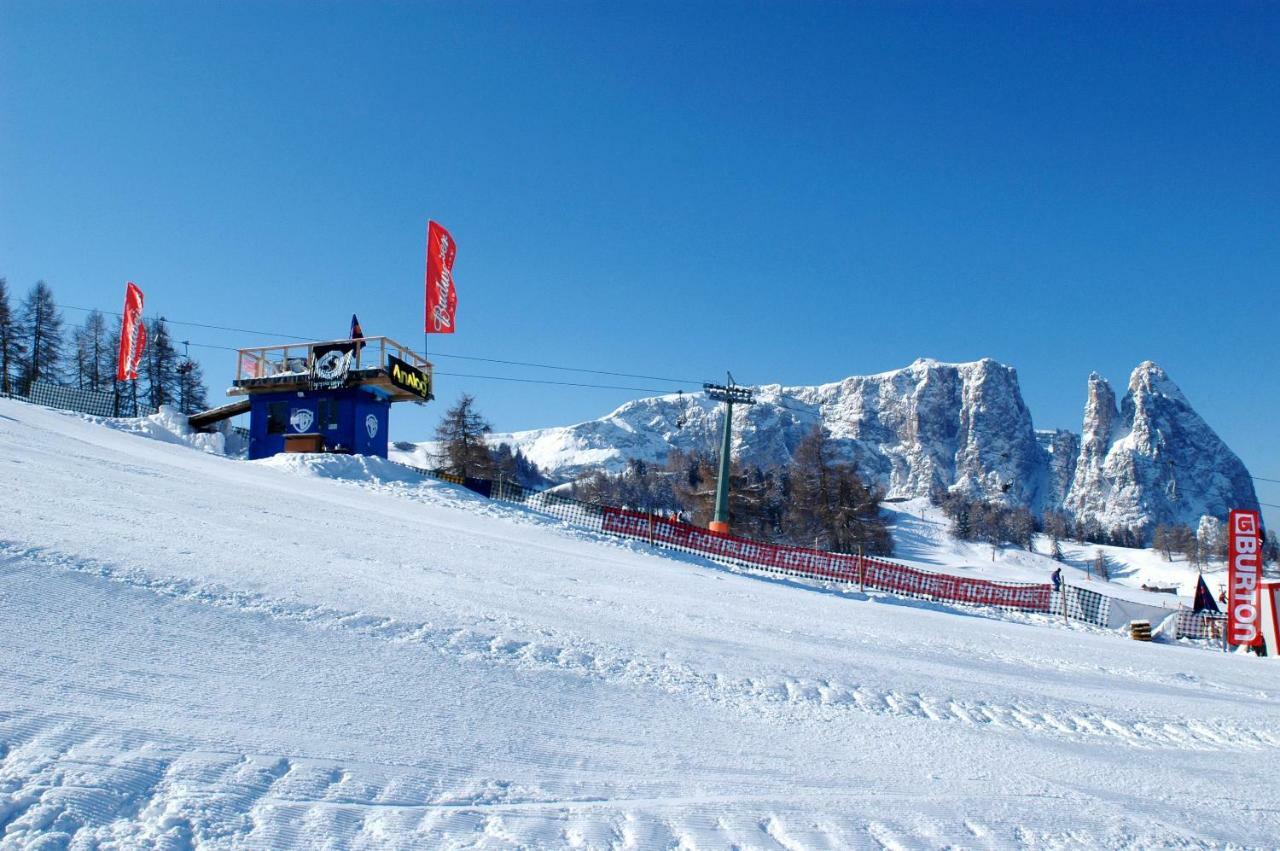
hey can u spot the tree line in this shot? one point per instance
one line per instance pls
(464, 451)
(816, 501)
(37, 346)
(981, 521)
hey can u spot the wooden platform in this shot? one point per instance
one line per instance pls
(292, 367)
(205, 419)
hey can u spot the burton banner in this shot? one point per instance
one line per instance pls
(1244, 575)
(133, 335)
(442, 298)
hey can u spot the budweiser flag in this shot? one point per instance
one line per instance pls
(442, 299)
(1244, 574)
(133, 335)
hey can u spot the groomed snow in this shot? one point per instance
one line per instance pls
(199, 651)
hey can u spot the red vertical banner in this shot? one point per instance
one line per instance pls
(133, 335)
(1244, 575)
(442, 298)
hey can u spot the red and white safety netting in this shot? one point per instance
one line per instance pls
(864, 571)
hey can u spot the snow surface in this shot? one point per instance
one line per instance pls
(323, 651)
(921, 540)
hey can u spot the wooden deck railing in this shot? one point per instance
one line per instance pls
(296, 358)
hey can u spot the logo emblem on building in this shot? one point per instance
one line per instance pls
(332, 365)
(301, 419)
(371, 425)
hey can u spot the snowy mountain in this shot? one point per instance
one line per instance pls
(963, 427)
(336, 652)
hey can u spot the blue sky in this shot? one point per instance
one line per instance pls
(796, 192)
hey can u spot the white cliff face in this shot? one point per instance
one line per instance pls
(1090, 486)
(963, 427)
(958, 426)
(1063, 450)
(1155, 461)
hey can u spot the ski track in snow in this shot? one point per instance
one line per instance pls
(183, 697)
(767, 696)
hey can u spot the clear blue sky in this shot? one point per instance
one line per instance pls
(796, 192)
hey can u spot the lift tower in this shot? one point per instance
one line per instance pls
(731, 395)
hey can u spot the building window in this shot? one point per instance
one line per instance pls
(328, 414)
(277, 417)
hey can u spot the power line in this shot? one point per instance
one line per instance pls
(558, 383)
(573, 369)
(531, 364)
(470, 375)
(194, 324)
(689, 381)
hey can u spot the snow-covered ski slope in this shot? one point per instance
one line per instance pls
(331, 652)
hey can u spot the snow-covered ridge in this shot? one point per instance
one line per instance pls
(960, 426)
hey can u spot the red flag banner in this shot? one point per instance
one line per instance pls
(442, 298)
(133, 335)
(1244, 575)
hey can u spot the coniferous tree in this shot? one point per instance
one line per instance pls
(515, 466)
(1020, 527)
(461, 435)
(160, 365)
(124, 394)
(193, 396)
(39, 332)
(9, 351)
(828, 503)
(1162, 542)
(1101, 565)
(90, 342)
(694, 484)
(1057, 525)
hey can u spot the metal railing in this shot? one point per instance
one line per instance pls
(258, 362)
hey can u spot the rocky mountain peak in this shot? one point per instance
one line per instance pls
(958, 426)
(1154, 461)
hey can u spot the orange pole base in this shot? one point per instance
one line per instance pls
(719, 527)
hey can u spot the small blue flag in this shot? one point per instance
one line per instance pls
(1204, 600)
(356, 331)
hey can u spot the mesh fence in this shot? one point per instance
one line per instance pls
(1081, 604)
(1206, 625)
(672, 533)
(94, 402)
(659, 530)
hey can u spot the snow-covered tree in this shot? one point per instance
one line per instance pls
(1212, 538)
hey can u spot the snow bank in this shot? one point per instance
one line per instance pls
(168, 425)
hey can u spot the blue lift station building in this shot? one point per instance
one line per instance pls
(331, 396)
